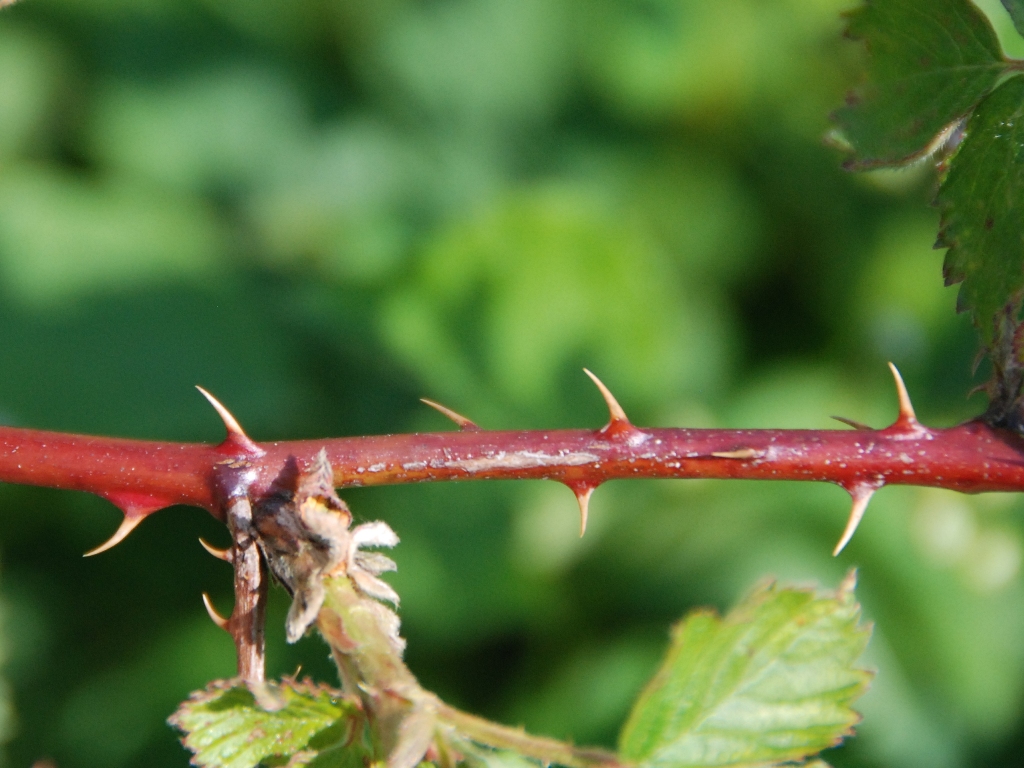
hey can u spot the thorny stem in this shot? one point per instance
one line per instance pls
(233, 478)
(971, 457)
(141, 477)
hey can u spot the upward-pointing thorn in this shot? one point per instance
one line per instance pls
(236, 434)
(907, 417)
(618, 418)
(465, 424)
(127, 526)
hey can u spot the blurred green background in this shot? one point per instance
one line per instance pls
(322, 210)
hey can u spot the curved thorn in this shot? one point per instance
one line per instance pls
(217, 619)
(235, 432)
(617, 414)
(233, 427)
(127, 526)
(861, 496)
(852, 423)
(220, 554)
(907, 416)
(976, 390)
(464, 424)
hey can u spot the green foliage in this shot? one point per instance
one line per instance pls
(291, 722)
(476, 756)
(930, 62)
(772, 682)
(1016, 10)
(686, 129)
(929, 65)
(980, 200)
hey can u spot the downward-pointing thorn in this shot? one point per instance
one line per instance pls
(861, 495)
(583, 494)
(235, 432)
(618, 420)
(127, 526)
(907, 417)
(217, 619)
(466, 425)
(220, 554)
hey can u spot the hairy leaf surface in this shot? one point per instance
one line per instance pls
(929, 63)
(771, 682)
(981, 200)
(226, 727)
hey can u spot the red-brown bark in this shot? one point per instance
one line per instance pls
(971, 457)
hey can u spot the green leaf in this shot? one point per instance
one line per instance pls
(477, 756)
(771, 682)
(929, 63)
(1016, 10)
(980, 200)
(226, 727)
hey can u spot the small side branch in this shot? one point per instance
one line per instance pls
(517, 740)
(248, 618)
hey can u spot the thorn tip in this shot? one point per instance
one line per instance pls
(852, 423)
(127, 526)
(618, 416)
(220, 554)
(217, 619)
(235, 432)
(907, 416)
(861, 495)
(467, 425)
(583, 494)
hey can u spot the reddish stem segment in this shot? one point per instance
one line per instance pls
(971, 457)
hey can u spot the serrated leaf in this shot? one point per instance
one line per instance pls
(929, 63)
(980, 199)
(1016, 10)
(771, 682)
(225, 727)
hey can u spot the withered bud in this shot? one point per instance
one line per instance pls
(307, 538)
